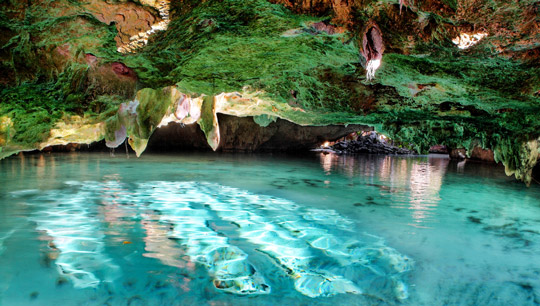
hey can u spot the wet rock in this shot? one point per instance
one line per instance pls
(458, 154)
(110, 78)
(369, 143)
(483, 155)
(474, 219)
(90, 59)
(123, 70)
(439, 149)
(477, 154)
(324, 26)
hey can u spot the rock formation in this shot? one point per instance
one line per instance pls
(459, 73)
(370, 143)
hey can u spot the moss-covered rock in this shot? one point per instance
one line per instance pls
(303, 61)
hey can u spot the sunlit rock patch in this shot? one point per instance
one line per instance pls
(140, 39)
(75, 130)
(5, 126)
(129, 18)
(465, 41)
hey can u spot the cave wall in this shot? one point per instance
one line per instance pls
(243, 134)
(461, 73)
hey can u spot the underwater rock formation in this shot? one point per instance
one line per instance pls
(288, 232)
(464, 74)
(75, 237)
(320, 251)
(228, 264)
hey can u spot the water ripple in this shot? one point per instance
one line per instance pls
(314, 247)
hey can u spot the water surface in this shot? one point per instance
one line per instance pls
(217, 229)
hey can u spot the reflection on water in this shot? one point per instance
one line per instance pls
(426, 182)
(243, 230)
(420, 180)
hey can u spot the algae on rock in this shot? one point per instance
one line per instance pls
(62, 71)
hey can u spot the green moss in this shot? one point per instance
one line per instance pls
(153, 105)
(441, 95)
(105, 106)
(487, 84)
(66, 25)
(33, 108)
(222, 46)
(264, 120)
(206, 122)
(464, 102)
(451, 3)
(503, 75)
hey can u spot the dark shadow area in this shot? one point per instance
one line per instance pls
(536, 173)
(242, 134)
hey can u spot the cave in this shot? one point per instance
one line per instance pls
(269, 152)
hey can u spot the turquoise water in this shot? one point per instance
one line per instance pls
(211, 229)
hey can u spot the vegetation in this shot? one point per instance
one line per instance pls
(436, 94)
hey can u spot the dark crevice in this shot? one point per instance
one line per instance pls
(372, 44)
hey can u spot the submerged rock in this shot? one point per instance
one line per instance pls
(75, 236)
(319, 250)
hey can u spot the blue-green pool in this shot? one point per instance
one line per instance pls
(238, 229)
